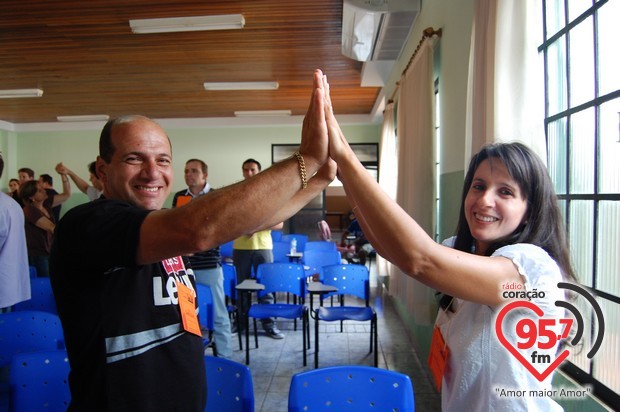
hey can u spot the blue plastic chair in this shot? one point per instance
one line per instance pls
(351, 280)
(280, 250)
(229, 387)
(230, 290)
(315, 260)
(351, 388)
(206, 317)
(301, 240)
(39, 381)
(280, 277)
(28, 331)
(226, 250)
(320, 245)
(276, 235)
(41, 297)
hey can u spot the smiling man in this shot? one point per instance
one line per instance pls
(125, 295)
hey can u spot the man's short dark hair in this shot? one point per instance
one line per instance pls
(253, 161)
(203, 165)
(106, 148)
(47, 179)
(28, 171)
(92, 168)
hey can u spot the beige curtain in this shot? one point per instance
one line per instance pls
(388, 167)
(505, 88)
(415, 187)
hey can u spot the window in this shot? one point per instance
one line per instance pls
(582, 119)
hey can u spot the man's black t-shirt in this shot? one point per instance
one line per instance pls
(126, 344)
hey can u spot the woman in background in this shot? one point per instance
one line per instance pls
(40, 226)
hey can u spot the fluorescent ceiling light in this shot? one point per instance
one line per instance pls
(242, 86)
(262, 113)
(15, 93)
(176, 24)
(83, 118)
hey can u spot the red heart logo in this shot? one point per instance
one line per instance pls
(513, 350)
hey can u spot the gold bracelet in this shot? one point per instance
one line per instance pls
(302, 169)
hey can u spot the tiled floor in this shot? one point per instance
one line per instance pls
(274, 362)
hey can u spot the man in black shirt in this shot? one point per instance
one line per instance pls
(124, 294)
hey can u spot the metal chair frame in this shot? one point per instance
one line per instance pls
(349, 280)
(280, 277)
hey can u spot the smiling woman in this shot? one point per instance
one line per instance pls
(510, 231)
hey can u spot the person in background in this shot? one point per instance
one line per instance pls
(14, 271)
(125, 294)
(40, 225)
(207, 265)
(94, 190)
(353, 242)
(13, 187)
(252, 249)
(510, 232)
(24, 174)
(55, 199)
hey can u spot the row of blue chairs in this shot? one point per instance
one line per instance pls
(39, 381)
(338, 388)
(351, 281)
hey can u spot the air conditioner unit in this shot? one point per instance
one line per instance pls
(376, 29)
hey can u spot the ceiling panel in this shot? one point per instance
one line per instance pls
(87, 61)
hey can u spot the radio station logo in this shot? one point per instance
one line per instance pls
(536, 334)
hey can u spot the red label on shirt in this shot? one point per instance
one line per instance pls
(174, 266)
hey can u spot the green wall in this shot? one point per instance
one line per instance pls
(223, 148)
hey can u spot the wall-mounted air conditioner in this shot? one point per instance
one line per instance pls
(376, 29)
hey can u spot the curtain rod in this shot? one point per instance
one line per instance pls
(426, 34)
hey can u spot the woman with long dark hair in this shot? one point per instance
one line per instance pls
(510, 237)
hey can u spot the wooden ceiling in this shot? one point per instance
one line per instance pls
(87, 61)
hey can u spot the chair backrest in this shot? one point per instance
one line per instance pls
(301, 240)
(280, 250)
(28, 331)
(320, 258)
(39, 381)
(316, 260)
(41, 297)
(276, 235)
(226, 250)
(351, 388)
(349, 279)
(33, 271)
(205, 306)
(282, 277)
(230, 281)
(320, 245)
(229, 386)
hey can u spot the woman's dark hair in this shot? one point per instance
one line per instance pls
(27, 190)
(543, 225)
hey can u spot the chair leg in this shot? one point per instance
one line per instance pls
(255, 334)
(316, 343)
(376, 343)
(304, 325)
(247, 341)
(238, 323)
